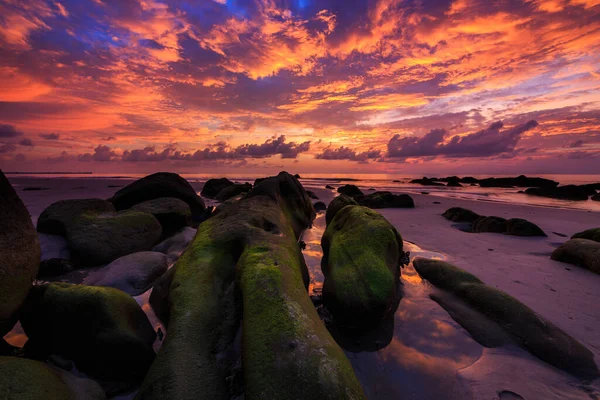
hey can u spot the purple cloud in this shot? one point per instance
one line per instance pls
(9, 131)
(346, 153)
(101, 153)
(50, 136)
(26, 142)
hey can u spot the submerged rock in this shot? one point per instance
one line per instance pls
(590, 234)
(172, 213)
(160, 184)
(336, 205)
(350, 190)
(568, 192)
(213, 187)
(361, 265)
(582, 252)
(459, 214)
(103, 330)
(232, 191)
(533, 332)
(97, 239)
(19, 254)
(385, 200)
(312, 195)
(56, 218)
(134, 273)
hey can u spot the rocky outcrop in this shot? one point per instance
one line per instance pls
(172, 213)
(568, 192)
(425, 181)
(520, 181)
(350, 190)
(213, 187)
(590, 234)
(320, 206)
(582, 252)
(56, 217)
(385, 200)
(513, 226)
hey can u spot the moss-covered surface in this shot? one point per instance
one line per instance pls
(172, 213)
(582, 252)
(336, 205)
(245, 267)
(19, 254)
(590, 234)
(350, 190)
(56, 217)
(361, 254)
(531, 331)
(23, 379)
(103, 330)
(96, 239)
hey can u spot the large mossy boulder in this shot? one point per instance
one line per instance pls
(489, 224)
(172, 213)
(19, 254)
(590, 234)
(96, 239)
(232, 191)
(336, 205)
(103, 330)
(134, 273)
(568, 192)
(361, 265)
(531, 331)
(160, 184)
(213, 187)
(245, 265)
(459, 214)
(522, 227)
(582, 252)
(56, 218)
(350, 190)
(385, 200)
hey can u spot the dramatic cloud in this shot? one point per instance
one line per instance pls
(50, 136)
(101, 153)
(26, 142)
(346, 153)
(8, 131)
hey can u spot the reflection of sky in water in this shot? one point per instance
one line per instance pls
(427, 347)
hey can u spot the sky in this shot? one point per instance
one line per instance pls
(309, 86)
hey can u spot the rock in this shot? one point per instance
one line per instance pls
(160, 184)
(454, 184)
(336, 205)
(469, 180)
(320, 206)
(595, 197)
(134, 273)
(97, 239)
(385, 200)
(568, 192)
(19, 254)
(34, 188)
(23, 379)
(174, 246)
(520, 181)
(582, 252)
(56, 217)
(459, 214)
(590, 188)
(159, 298)
(54, 246)
(213, 187)
(490, 224)
(245, 258)
(232, 191)
(425, 181)
(172, 213)
(522, 227)
(361, 265)
(350, 190)
(329, 187)
(531, 331)
(54, 267)
(312, 195)
(590, 234)
(103, 330)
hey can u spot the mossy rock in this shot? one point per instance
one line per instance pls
(246, 257)
(590, 234)
(350, 190)
(336, 205)
(459, 214)
(581, 252)
(385, 200)
(103, 330)
(213, 187)
(490, 224)
(531, 331)
(172, 213)
(361, 265)
(19, 254)
(522, 227)
(232, 191)
(160, 184)
(56, 217)
(96, 239)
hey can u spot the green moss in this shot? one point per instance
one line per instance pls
(23, 379)
(336, 205)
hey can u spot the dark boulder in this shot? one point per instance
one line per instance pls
(590, 188)
(56, 217)
(459, 214)
(425, 181)
(522, 227)
(336, 205)
(174, 246)
(385, 200)
(590, 234)
(312, 195)
(469, 179)
(172, 213)
(160, 184)
(234, 190)
(568, 192)
(350, 190)
(54, 267)
(103, 330)
(595, 197)
(520, 181)
(19, 254)
(581, 252)
(490, 224)
(329, 187)
(320, 206)
(213, 187)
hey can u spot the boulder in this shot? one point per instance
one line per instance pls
(54, 246)
(385, 200)
(23, 379)
(134, 273)
(582, 252)
(159, 297)
(54, 267)
(232, 191)
(160, 184)
(568, 192)
(425, 181)
(336, 205)
(350, 190)
(245, 264)
(213, 187)
(522, 227)
(174, 246)
(96, 239)
(490, 224)
(530, 330)
(590, 234)
(19, 254)
(102, 330)
(57, 216)
(320, 206)
(469, 179)
(312, 195)
(590, 188)
(595, 197)
(361, 265)
(459, 214)
(520, 181)
(172, 213)
(329, 187)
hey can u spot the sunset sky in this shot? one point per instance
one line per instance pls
(331, 86)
